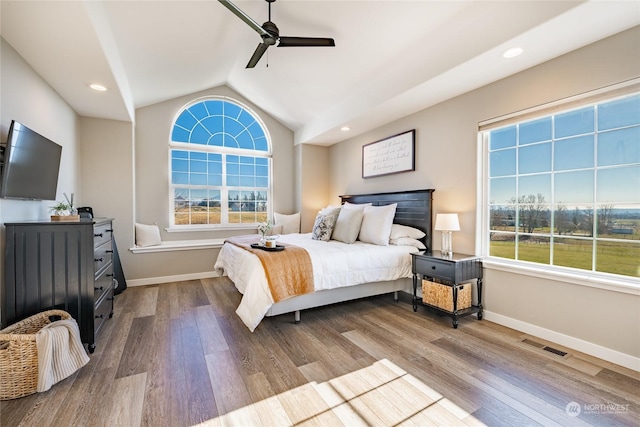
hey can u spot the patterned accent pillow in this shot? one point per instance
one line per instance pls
(323, 226)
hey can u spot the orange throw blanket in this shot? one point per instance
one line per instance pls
(289, 272)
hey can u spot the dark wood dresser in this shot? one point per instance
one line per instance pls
(62, 265)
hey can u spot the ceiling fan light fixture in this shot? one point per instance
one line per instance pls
(512, 52)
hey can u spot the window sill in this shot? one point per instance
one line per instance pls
(625, 285)
(179, 245)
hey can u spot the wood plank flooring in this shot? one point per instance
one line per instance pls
(177, 355)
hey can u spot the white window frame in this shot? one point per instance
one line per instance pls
(600, 280)
(224, 189)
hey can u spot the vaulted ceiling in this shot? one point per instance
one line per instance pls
(392, 57)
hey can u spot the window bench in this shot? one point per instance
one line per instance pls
(179, 245)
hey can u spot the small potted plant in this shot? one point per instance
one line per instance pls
(64, 211)
(263, 229)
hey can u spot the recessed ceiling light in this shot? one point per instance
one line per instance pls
(345, 128)
(513, 52)
(98, 87)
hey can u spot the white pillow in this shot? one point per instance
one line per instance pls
(323, 225)
(348, 225)
(290, 223)
(398, 231)
(376, 224)
(407, 241)
(147, 235)
(348, 205)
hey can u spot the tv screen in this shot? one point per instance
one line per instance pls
(31, 164)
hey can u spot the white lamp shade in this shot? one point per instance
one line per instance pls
(447, 222)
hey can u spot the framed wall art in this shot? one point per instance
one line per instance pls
(394, 154)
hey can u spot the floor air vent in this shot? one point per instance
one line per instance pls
(555, 351)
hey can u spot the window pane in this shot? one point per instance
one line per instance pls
(535, 131)
(503, 218)
(618, 185)
(619, 147)
(621, 222)
(618, 258)
(502, 245)
(573, 153)
(502, 190)
(534, 249)
(574, 122)
(502, 163)
(565, 221)
(619, 113)
(534, 189)
(576, 253)
(534, 218)
(534, 158)
(503, 138)
(574, 187)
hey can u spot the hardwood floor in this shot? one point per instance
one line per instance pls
(177, 355)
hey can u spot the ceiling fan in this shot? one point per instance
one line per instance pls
(270, 34)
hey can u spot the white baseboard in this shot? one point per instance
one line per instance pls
(589, 348)
(167, 279)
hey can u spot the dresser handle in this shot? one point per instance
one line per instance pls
(98, 260)
(433, 267)
(99, 288)
(109, 251)
(97, 235)
(110, 231)
(110, 274)
(100, 316)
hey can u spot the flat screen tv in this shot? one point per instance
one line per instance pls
(30, 166)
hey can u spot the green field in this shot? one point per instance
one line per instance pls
(611, 257)
(200, 215)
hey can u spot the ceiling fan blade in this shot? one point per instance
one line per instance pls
(246, 18)
(305, 41)
(260, 50)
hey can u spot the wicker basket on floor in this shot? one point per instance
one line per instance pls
(19, 354)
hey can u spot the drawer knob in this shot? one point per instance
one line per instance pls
(98, 260)
(433, 267)
(99, 288)
(97, 235)
(101, 316)
(109, 251)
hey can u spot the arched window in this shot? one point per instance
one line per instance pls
(220, 165)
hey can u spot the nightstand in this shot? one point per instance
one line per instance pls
(450, 272)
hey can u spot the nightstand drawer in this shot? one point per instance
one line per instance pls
(434, 268)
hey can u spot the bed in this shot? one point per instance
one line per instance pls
(337, 276)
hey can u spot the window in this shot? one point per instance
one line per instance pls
(220, 166)
(564, 189)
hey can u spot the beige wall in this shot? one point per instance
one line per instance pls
(446, 159)
(107, 185)
(314, 183)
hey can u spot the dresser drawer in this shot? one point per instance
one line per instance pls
(103, 283)
(434, 268)
(102, 256)
(102, 234)
(103, 310)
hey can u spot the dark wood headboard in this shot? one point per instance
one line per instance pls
(414, 208)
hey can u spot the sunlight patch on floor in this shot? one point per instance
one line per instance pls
(380, 394)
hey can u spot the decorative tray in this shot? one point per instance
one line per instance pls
(264, 248)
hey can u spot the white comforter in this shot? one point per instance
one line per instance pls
(335, 264)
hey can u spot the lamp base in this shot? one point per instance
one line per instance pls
(446, 246)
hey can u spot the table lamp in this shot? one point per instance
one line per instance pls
(446, 223)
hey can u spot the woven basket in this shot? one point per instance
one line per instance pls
(441, 296)
(19, 354)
